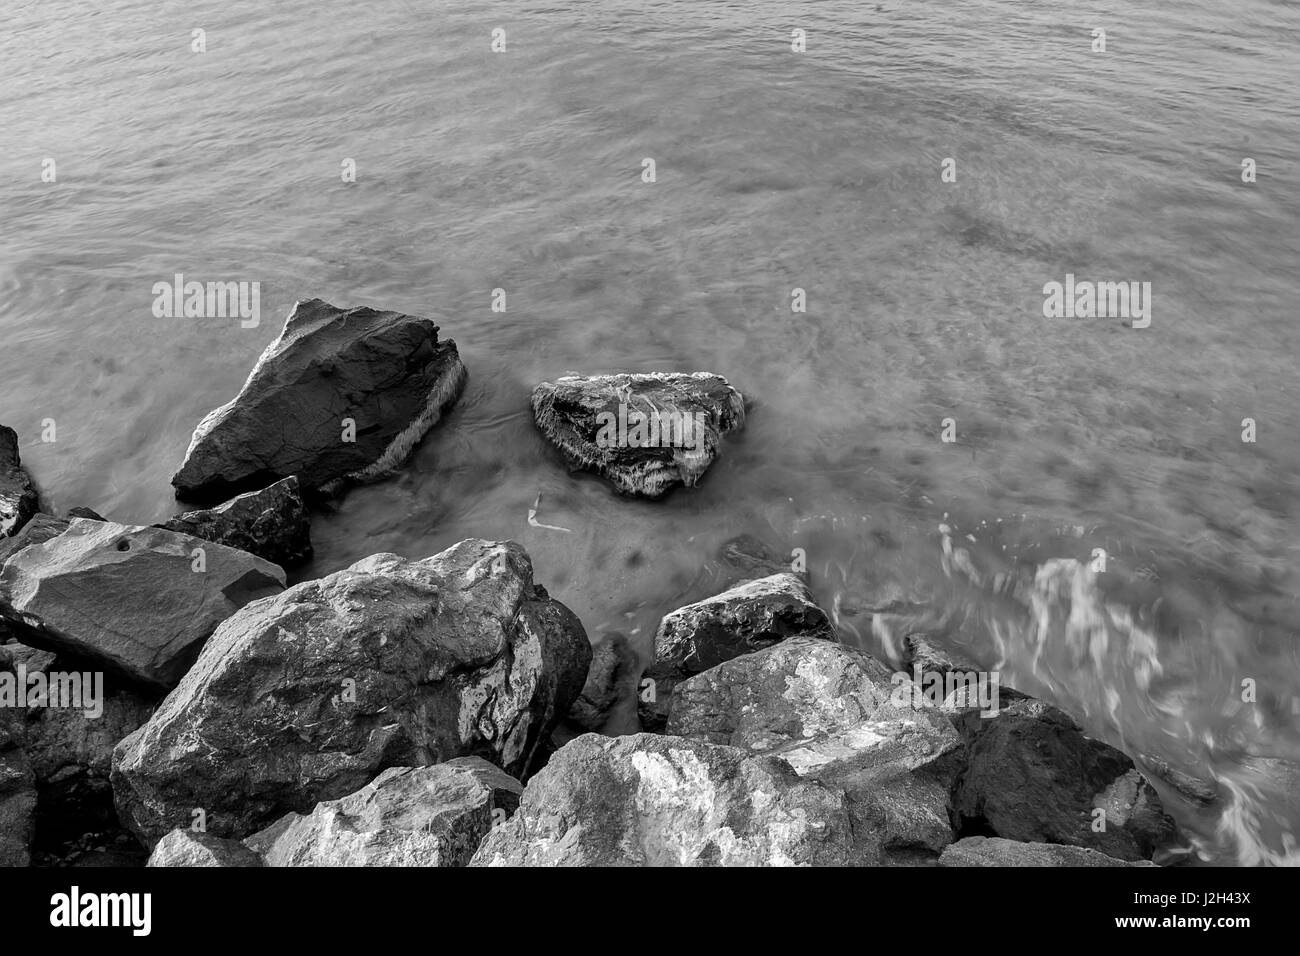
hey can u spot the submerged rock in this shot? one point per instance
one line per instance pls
(835, 715)
(746, 618)
(186, 848)
(385, 373)
(138, 601)
(1032, 775)
(271, 523)
(649, 800)
(612, 677)
(408, 816)
(307, 696)
(645, 433)
(18, 499)
(996, 851)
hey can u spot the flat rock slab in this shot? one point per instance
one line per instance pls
(996, 851)
(836, 715)
(18, 498)
(138, 601)
(408, 816)
(645, 433)
(1032, 775)
(749, 617)
(189, 849)
(650, 800)
(271, 523)
(307, 696)
(385, 372)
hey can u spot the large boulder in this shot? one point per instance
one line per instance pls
(1032, 775)
(139, 601)
(18, 499)
(838, 716)
(342, 395)
(408, 816)
(17, 795)
(189, 849)
(650, 800)
(996, 851)
(271, 523)
(645, 433)
(747, 618)
(308, 695)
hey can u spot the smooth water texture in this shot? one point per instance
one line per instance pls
(775, 170)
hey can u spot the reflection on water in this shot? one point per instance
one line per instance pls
(776, 171)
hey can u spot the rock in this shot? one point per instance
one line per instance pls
(996, 851)
(598, 422)
(40, 527)
(89, 513)
(408, 816)
(271, 523)
(32, 659)
(650, 800)
(17, 795)
(71, 756)
(1032, 776)
(307, 696)
(18, 499)
(1195, 789)
(385, 372)
(752, 557)
(129, 598)
(748, 617)
(611, 678)
(835, 715)
(185, 848)
(930, 654)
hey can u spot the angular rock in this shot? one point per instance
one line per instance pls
(307, 696)
(90, 513)
(838, 716)
(644, 433)
(748, 617)
(1032, 775)
(18, 499)
(271, 523)
(384, 371)
(650, 800)
(186, 848)
(930, 653)
(17, 795)
(408, 816)
(132, 599)
(613, 675)
(41, 527)
(996, 851)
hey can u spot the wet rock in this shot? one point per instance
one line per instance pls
(996, 851)
(650, 800)
(931, 653)
(88, 513)
(838, 716)
(307, 696)
(271, 523)
(186, 848)
(408, 816)
(385, 372)
(644, 433)
(18, 499)
(17, 795)
(40, 527)
(752, 557)
(131, 599)
(1032, 775)
(611, 679)
(746, 618)
(1196, 789)
(71, 754)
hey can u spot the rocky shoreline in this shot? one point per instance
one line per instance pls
(448, 711)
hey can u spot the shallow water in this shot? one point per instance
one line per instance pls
(775, 170)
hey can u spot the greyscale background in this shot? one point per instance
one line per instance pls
(920, 169)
